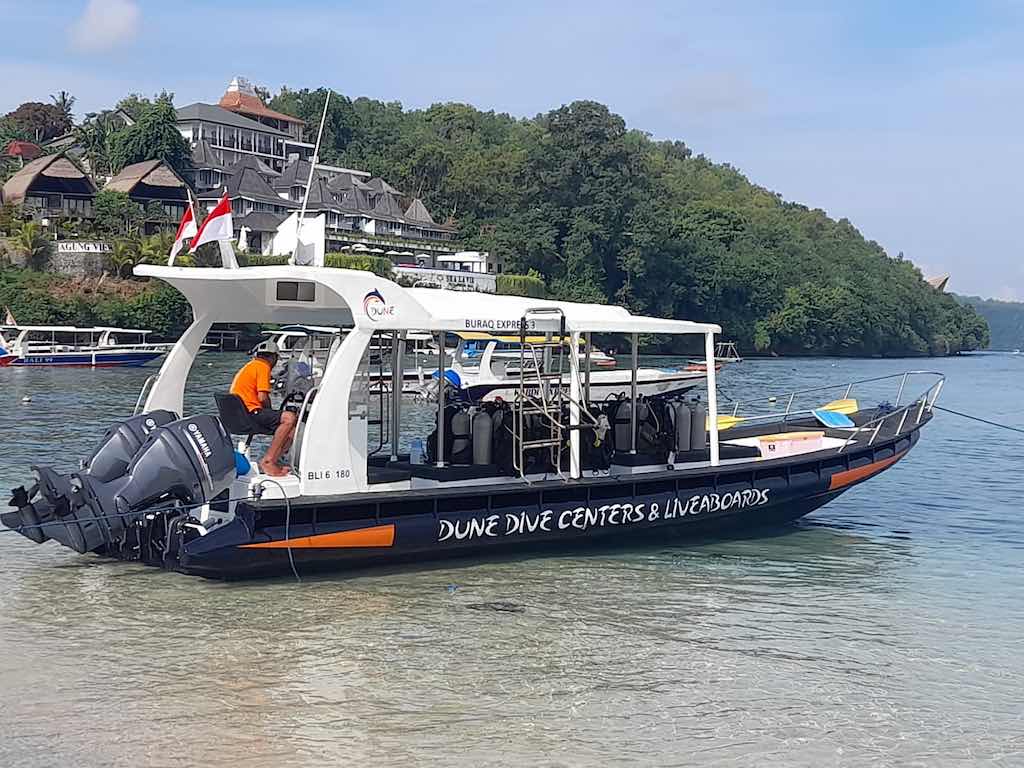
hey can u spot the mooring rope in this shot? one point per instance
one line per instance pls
(979, 419)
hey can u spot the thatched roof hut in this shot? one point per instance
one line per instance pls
(150, 180)
(49, 178)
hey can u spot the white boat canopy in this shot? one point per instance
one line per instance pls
(342, 297)
(331, 444)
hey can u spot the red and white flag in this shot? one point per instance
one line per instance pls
(186, 229)
(216, 226)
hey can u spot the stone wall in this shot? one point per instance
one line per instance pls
(79, 259)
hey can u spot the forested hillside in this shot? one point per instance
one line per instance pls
(1005, 320)
(606, 214)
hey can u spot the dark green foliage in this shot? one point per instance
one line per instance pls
(1004, 318)
(153, 137)
(115, 214)
(379, 265)
(38, 122)
(38, 298)
(522, 285)
(606, 214)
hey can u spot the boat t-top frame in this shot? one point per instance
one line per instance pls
(331, 445)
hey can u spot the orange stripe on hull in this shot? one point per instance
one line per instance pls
(843, 479)
(377, 536)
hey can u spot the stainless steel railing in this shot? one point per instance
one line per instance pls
(796, 409)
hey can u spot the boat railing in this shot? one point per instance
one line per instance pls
(797, 406)
(914, 409)
(142, 393)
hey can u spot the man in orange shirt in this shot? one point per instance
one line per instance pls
(252, 385)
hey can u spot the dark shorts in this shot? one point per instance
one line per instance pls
(267, 418)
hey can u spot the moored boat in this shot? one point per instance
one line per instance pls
(553, 465)
(67, 346)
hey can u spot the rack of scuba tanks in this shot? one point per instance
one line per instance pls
(529, 437)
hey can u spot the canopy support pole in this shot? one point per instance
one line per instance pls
(397, 380)
(586, 386)
(575, 467)
(441, 383)
(709, 355)
(632, 392)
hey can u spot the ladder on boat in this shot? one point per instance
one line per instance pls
(541, 396)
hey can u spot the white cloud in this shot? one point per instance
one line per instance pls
(106, 24)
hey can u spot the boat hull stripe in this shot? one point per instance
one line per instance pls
(850, 476)
(375, 536)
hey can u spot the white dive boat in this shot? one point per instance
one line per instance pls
(56, 345)
(497, 371)
(552, 466)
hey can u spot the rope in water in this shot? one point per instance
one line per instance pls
(979, 419)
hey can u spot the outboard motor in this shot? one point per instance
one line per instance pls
(190, 460)
(108, 461)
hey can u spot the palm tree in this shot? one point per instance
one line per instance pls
(156, 248)
(33, 244)
(95, 135)
(124, 256)
(65, 102)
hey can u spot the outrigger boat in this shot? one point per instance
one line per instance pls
(550, 466)
(57, 345)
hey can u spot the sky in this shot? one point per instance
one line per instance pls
(903, 117)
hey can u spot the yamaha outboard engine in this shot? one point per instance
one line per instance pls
(51, 496)
(190, 460)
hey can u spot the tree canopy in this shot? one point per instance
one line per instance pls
(604, 213)
(38, 122)
(154, 136)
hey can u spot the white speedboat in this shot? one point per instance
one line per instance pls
(508, 367)
(67, 346)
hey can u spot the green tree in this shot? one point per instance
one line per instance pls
(65, 102)
(39, 122)
(115, 214)
(154, 136)
(34, 246)
(135, 105)
(124, 255)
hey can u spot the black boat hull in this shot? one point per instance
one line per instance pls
(265, 539)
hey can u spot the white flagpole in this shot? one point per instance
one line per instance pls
(309, 181)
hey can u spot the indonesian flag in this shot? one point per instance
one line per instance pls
(186, 229)
(216, 226)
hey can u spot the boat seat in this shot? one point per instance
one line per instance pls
(236, 418)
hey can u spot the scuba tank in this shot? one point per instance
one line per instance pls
(460, 453)
(622, 413)
(482, 431)
(698, 427)
(682, 418)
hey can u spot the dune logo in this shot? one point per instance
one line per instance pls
(375, 307)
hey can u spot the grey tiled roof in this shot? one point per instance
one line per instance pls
(259, 221)
(204, 157)
(248, 183)
(211, 113)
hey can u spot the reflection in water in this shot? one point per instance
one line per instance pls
(885, 628)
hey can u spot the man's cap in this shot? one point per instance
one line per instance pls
(266, 347)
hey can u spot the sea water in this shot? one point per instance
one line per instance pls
(884, 629)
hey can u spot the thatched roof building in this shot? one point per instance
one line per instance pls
(52, 185)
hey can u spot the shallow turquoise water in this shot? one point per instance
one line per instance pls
(884, 629)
